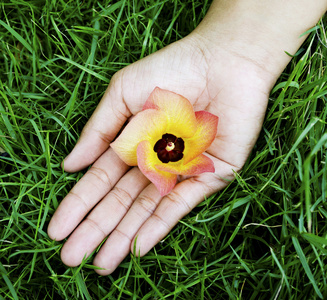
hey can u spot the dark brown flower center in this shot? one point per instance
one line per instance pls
(169, 148)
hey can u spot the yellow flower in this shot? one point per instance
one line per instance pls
(166, 139)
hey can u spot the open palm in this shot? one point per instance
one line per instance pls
(119, 201)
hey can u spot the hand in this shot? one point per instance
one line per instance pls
(124, 203)
(227, 66)
(118, 200)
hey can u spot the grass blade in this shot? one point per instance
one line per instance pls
(305, 265)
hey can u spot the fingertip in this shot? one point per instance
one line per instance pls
(69, 258)
(106, 261)
(51, 235)
(70, 164)
(100, 269)
(53, 232)
(103, 272)
(82, 155)
(137, 249)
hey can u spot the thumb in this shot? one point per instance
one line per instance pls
(103, 126)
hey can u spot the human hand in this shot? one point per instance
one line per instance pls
(227, 66)
(119, 200)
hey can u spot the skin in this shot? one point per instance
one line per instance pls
(226, 66)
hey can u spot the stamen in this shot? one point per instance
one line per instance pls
(170, 146)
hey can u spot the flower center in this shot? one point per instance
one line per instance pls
(169, 148)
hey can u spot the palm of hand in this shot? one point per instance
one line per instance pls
(124, 203)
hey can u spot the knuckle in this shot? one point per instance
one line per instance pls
(94, 225)
(100, 174)
(161, 221)
(123, 234)
(79, 200)
(176, 199)
(209, 186)
(210, 183)
(121, 112)
(122, 196)
(90, 130)
(105, 137)
(147, 204)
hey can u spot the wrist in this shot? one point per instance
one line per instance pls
(261, 32)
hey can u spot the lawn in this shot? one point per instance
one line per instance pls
(263, 237)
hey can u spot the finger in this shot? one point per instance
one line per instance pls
(118, 245)
(103, 218)
(183, 198)
(103, 126)
(92, 187)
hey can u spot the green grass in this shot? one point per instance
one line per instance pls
(263, 237)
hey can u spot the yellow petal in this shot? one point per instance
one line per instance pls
(198, 165)
(147, 159)
(147, 125)
(205, 134)
(179, 110)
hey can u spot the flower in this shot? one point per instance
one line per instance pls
(167, 139)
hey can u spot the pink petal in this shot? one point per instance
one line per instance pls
(146, 125)
(147, 159)
(198, 165)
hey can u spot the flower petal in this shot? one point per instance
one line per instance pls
(198, 165)
(179, 110)
(146, 125)
(147, 159)
(206, 132)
